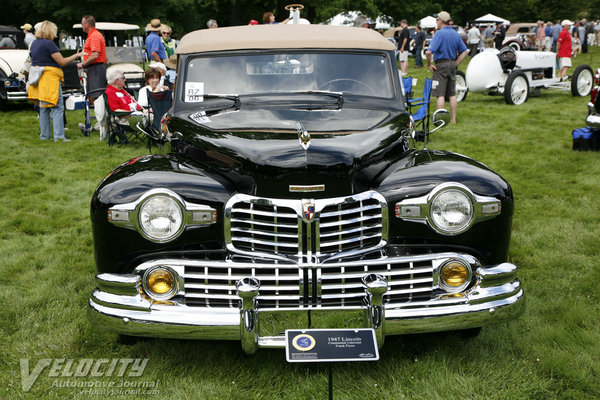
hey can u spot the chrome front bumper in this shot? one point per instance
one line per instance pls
(119, 305)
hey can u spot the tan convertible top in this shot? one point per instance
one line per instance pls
(282, 36)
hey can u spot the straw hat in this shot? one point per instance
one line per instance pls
(154, 25)
(171, 62)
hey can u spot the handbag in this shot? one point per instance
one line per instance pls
(26, 66)
(35, 73)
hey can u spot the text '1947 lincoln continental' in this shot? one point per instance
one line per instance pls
(294, 197)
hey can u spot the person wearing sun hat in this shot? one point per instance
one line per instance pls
(564, 48)
(154, 46)
(27, 28)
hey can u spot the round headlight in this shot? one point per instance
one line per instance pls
(451, 211)
(455, 276)
(160, 218)
(160, 283)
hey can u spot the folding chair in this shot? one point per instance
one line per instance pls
(421, 115)
(407, 82)
(159, 102)
(118, 132)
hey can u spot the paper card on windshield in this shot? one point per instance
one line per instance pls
(194, 92)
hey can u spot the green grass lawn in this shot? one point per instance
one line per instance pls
(551, 352)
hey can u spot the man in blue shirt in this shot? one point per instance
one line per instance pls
(154, 46)
(556, 28)
(447, 50)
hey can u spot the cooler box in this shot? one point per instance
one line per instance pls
(75, 102)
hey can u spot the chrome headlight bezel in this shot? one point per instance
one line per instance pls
(128, 215)
(420, 209)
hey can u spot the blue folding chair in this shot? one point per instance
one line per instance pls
(407, 86)
(419, 107)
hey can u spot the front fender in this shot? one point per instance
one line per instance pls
(115, 247)
(422, 171)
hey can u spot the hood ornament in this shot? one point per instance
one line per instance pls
(303, 136)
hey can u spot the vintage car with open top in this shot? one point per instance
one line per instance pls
(292, 194)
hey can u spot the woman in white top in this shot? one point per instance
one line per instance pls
(153, 78)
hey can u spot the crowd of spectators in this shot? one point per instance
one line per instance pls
(567, 38)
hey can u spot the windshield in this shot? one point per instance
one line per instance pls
(247, 74)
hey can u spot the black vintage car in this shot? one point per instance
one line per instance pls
(294, 197)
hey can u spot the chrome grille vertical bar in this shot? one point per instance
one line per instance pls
(389, 278)
(252, 226)
(343, 273)
(362, 224)
(230, 283)
(412, 277)
(318, 284)
(206, 283)
(275, 230)
(277, 283)
(340, 220)
(300, 237)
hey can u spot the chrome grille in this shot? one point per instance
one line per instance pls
(277, 227)
(266, 228)
(350, 226)
(213, 284)
(407, 281)
(286, 285)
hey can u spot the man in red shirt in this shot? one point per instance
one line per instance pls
(94, 61)
(564, 48)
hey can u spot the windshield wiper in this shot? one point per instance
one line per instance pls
(219, 107)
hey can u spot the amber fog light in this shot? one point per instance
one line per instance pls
(455, 276)
(160, 283)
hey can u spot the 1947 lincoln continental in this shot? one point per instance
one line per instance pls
(294, 196)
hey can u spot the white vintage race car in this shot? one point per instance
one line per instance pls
(520, 74)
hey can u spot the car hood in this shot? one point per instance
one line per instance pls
(348, 151)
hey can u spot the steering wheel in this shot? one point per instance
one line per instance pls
(353, 82)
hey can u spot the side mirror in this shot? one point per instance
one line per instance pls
(440, 118)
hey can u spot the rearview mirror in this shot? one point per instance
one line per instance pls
(440, 118)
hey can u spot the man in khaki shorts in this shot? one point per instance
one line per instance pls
(447, 50)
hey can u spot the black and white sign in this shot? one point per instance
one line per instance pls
(322, 345)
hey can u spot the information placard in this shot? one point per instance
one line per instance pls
(326, 345)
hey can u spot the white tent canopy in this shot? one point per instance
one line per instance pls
(427, 22)
(492, 18)
(347, 19)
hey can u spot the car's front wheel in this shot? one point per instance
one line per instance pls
(582, 81)
(516, 88)
(461, 86)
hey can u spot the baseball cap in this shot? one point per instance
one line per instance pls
(444, 16)
(566, 22)
(27, 26)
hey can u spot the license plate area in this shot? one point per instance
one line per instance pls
(331, 345)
